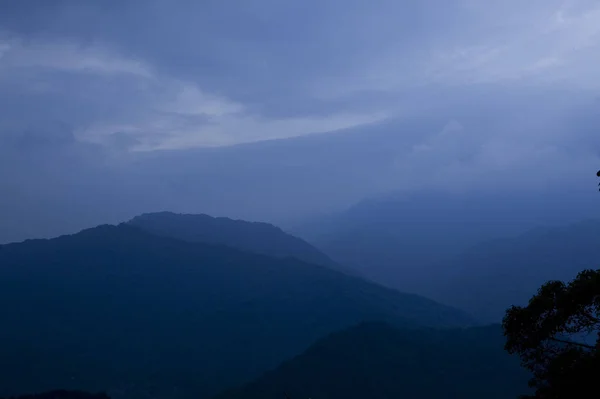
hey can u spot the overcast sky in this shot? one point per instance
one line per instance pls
(93, 93)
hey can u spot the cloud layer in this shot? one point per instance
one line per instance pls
(185, 74)
(421, 93)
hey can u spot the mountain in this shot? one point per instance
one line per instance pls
(257, 237)
(402, 240)
(378, 361)
(117, 309)
(492, 276)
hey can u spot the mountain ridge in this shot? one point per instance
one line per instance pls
(489, 277)
(219, 316)
(378, 360)
(258, 237)
(398, 240)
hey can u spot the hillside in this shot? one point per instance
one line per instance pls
(490, 277)
(378, 361)
(402, 241)
(106, 309)
(257, 237)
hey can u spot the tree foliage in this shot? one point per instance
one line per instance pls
(557, 336)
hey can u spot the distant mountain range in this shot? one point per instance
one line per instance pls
(378, 361)
(473, 253)
(404, 241)
(488, 278)
(140, 314)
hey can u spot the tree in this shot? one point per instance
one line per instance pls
(557, 336)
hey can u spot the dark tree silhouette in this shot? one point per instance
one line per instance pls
(557, 336)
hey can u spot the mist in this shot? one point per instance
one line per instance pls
(285, 113)
(235, 199)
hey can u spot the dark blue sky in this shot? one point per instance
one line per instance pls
(438, 92)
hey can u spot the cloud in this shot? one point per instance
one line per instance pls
(126, 95)
(196, 72)
(379, 95)
(542, 48)
(66, 56)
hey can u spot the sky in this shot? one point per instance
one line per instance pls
(271, 109)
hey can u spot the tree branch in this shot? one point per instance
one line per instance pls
(573, 343)
(592, 318)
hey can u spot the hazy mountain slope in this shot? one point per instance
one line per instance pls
(118, 309)
(399, 241)
(490, 277)
(261, 238)
(377, 361)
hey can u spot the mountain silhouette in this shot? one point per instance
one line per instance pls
(257, 237)
(402, 241)
(490, 277)
(378, 361)
(117, 309)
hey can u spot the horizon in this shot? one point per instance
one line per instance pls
(287, 112)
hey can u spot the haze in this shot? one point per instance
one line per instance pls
(267, 199)
(286, 111)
